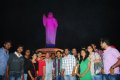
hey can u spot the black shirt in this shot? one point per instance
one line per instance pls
(26, 62)
(33, 68)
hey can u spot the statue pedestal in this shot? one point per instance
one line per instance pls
(48, 50)
(50, 45)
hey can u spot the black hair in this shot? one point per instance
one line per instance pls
(105, 40)
(19, 46)
(39, 52)
(8, 41)
(66, 48)
(91, 47)
(58, 51)
(86, 56)
(26, 50)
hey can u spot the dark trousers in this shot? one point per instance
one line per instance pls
(39, 78)
(1, 77)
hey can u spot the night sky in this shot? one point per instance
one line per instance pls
(81, 22)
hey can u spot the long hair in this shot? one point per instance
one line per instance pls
(86, 56)
(91, 47)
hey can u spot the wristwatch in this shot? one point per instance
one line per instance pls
(112, 67)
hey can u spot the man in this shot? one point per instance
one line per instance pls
(16, 64)
(117, 64)
(100, 52)
(49, 67)
(111, 61)
(68, 65)
(58, 66)
(26, 60)
(4, 56)
(41, 67)
(74, 53)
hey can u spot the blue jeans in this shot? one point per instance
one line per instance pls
(97, 77)
(25, 76)
(59, 78)
(111, 77)
(39, 78)
(48, 76)
(15, 76)
(69, 77)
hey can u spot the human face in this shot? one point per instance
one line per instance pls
(83, 53)
(102, 44)
(34, 56)
(47, 55)
(66, 51)
(7, 45)
(93, 45)
(39, 54)
(27, 52)
(20, 49)
(90, 49)
(53, 56)
(74, 51)
(58, 54)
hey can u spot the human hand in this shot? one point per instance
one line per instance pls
(102, 71)
(32, 78)
(111, 71)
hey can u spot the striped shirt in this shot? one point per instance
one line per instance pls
(68, 64)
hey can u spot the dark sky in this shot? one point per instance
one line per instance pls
(81, 22)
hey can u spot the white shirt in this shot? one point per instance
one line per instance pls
(18, 54)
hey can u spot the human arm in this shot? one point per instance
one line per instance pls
(29, 73)
(88, 68)
(117, 64)
(74, 66)
(44, 71)
(63, 67)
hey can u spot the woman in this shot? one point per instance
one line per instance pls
(85, 73)
(94, 58)
(26, 61)
(33, 68)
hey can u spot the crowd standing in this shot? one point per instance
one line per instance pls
(88, 63)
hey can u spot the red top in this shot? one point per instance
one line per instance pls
(41, 64)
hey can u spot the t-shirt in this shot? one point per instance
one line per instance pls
(26, 62)
(33, 68)
(110, 57)
(41, 64)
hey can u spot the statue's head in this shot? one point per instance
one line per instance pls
(50, 14)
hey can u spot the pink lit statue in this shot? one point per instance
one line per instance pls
(50, 24)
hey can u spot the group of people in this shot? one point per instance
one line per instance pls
(89, 63)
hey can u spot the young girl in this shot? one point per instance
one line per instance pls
(33, 68)
(85, 73)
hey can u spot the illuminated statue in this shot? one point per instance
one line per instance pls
(50, 24)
